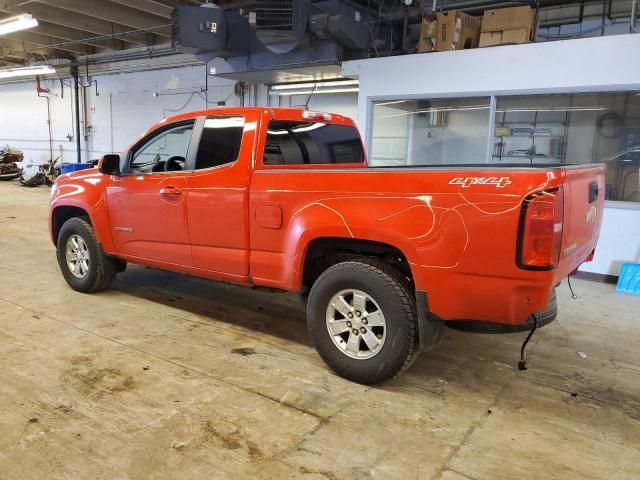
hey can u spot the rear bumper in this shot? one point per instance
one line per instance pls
(491, 298)
(509, 300)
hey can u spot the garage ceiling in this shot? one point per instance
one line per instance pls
(70, 29)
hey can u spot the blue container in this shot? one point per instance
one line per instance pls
(74, 167)
(629, 279)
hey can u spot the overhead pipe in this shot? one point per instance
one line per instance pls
(76, 88)
(40, 90)
(405, 27)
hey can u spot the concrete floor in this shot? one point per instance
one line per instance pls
(165, 376)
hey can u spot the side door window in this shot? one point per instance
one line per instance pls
(164, 152)
(220, 141)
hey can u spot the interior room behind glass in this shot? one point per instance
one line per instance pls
(525, 130)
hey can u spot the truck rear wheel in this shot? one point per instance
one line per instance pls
(362, 320)
(85, 268)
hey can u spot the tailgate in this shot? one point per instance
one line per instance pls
(583, 189)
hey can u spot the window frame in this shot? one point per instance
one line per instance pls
(196, 129)
(491, 105)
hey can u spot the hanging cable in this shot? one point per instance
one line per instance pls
(165, 110)
(522, 364)
(573, 295)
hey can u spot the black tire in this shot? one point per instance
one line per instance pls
(543, 318)
(102, 269)
(392, 292)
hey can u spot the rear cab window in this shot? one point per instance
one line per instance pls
(291, 142)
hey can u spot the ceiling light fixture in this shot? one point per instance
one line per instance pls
(27, 71)
(298, 86)
(19, 22)
(318, 92)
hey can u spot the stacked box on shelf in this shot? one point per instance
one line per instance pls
(428, 31)
(506, 26)
(457, 31)
(452, 30)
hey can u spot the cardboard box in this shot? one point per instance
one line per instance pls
(514, 18)
(505, 37)
(490, 39)
(521, 35)
(428, 32)
(457, 31)
(507, 26)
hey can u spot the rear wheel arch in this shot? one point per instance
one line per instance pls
(324, 252)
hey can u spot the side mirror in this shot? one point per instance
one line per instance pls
(109, 164)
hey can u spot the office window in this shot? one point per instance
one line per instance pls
(573, 129)
(430, 132)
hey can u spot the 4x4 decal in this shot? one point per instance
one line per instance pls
(466, 182)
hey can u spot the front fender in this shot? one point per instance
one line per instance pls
(85, 190)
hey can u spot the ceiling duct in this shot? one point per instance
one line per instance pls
(281, 24)
(283, 34)
(209, 28)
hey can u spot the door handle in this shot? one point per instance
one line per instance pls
(170, 190)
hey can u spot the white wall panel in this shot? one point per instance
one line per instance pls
(125, 107)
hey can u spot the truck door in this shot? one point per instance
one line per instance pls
(218, 205)
(148, 202)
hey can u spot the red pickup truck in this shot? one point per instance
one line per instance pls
(284, 198)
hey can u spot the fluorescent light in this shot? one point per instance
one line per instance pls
(309, 92)
(297, 86)
(27, 71)
(381, 104)
(19, 22)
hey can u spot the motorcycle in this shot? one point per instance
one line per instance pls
(46, 174)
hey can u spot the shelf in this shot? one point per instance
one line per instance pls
(504, 124)
(525, 156)
(529, 136)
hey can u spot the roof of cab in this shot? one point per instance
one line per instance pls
(276, 113)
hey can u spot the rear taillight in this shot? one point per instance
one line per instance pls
(540, 233)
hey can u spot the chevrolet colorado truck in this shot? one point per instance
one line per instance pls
(284, 198)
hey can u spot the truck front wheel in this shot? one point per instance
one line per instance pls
(362, 320)
(85, 268)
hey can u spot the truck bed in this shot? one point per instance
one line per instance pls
(460, 239)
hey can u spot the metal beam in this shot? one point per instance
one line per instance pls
(18, 50)
(76, 21)
(10, 58)
(33, 40)
(147, 6)
(237, 4)
(175, 3)
(104, 10)
(70, 34)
